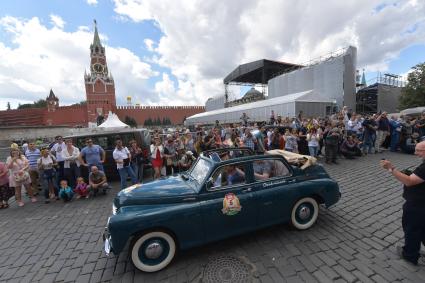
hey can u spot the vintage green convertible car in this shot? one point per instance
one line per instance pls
(224, 193)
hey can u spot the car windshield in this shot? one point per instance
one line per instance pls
(200, 170)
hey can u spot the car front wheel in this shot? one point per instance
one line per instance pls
(153, 251)
(304, 213)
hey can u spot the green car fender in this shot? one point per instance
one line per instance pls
(132, 220)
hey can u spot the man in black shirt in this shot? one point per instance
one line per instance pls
(413, 220)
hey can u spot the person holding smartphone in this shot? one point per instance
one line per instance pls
(122, 158)
(413, 220)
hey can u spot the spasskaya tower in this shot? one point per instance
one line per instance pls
(100, 86)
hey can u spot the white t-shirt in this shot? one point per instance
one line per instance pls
(120, 155)
(313, 139)
(58, 148)
(269, 137)
(351, 125)
(46, 162)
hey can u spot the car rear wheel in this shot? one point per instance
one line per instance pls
(304, 213)
(153, 251)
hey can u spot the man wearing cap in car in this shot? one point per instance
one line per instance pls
(186, 161)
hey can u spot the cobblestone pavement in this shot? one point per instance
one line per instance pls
(352, 241)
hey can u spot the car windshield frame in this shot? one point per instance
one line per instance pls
(199, 171)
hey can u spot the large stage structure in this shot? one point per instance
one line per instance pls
(255, 74)
(382, 95)
(318, 87)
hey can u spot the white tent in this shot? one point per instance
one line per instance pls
(416, 111)
(288, 106)
(113, 122)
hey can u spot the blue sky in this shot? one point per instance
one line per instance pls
(195, 44)
(120, 32)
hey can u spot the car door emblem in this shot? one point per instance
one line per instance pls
(231, 204)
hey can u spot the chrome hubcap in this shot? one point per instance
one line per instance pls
(304, 212)
(154, 250)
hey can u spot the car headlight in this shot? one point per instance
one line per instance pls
(114, 209)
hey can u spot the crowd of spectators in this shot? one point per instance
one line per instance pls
(55, 172)
(59, 169)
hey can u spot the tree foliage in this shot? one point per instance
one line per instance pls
(157, 121)
(413, 94)
(8, 105)
(41, 103)
(83, 102)
(130, 121)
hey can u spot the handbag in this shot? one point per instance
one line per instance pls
(49, 173)
(21, 177)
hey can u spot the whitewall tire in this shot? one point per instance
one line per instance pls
(304, 213)
(153, 251)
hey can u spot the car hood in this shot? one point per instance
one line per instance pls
(165, 190)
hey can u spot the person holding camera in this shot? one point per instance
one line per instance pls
(47, 166)
(18, 175)
(413, 220)
(122, 158)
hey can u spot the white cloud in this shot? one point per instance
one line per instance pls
(166, 86)
(42, 58)
(92, 2)
(203, 41)
(149, 44)
(57, 21)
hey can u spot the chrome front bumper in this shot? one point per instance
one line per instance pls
(107, 243)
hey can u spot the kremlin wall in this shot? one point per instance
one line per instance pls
(76, 116)
(100, 99)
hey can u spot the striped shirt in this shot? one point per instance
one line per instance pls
(32, 156)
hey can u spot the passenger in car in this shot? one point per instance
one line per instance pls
(234, 175)
(262, 169)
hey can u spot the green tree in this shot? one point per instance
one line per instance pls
(83, 102)
(41, 103)
(8, 105)
(157, 121)
(148, 122)
(130, 121)
(413, 94)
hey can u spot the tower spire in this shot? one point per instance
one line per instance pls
(96, 39)
(363, 79)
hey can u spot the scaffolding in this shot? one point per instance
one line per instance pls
(258, 73)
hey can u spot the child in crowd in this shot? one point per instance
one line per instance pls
(65, 192)
(81, 189)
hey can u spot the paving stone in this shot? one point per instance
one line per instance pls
(81, 260)
(352, 241)
(307, 276)
(48, 278)
(56, 267)
(329, 272)
(107, 274)
(62, 273)
(88, 268)
(8, 274)
(363, 268)
(321, 277)
(347, 275)
(96, 276)
(129, 276)
(72, 275)
(22, 271)
(85, 278)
